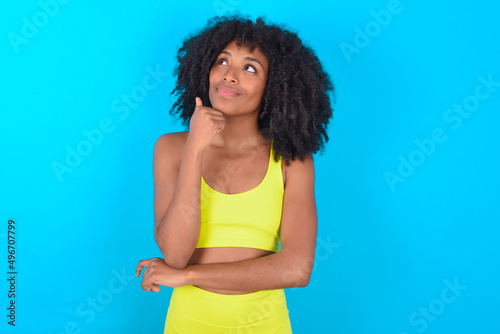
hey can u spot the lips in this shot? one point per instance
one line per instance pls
(224, 91)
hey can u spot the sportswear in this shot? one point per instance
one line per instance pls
(248, 219)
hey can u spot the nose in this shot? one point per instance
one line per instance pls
(230, 76)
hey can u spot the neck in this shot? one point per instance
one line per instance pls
(240, 132)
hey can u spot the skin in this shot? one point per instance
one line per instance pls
(226, 147)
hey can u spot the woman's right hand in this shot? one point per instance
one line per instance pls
(205, 123)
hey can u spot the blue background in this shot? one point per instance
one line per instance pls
(399, 223)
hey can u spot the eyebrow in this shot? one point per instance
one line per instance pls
(246, 58)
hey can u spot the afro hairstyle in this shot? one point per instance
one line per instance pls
(297, 102)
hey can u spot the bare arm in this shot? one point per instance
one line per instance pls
(176, 197)
(292, 266)
(177, 187)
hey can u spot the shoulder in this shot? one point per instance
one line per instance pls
(171, 142)
(169, 146)
(298, 171)
(172, 139)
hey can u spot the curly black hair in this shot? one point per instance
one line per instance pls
(296, 105)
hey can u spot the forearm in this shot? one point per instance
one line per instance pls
(277, 271)
(178, 232)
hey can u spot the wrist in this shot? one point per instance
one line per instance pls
(194, 147)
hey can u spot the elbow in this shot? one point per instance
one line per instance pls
(306, 266)
(298, 280)
(304, 281)
(172, 258)
(299, 274)
(303, 278)
(176, 263)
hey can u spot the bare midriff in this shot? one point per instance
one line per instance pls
(224, 255)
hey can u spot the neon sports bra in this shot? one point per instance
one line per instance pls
(248, 219)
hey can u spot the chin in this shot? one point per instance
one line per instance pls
(225, 108)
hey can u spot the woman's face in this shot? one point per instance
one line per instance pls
(238, 79)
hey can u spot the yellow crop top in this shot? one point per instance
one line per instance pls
(248, 219)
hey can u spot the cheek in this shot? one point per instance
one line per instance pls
(215, 73)
(258, 89)
(214, 76)
(211, 78)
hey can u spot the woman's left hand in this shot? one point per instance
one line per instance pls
(159, 273)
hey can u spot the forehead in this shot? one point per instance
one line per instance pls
(244, 50)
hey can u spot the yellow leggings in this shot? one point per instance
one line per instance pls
(193, 310)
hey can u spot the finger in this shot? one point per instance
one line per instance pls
(146, 284)
(198, 102)
(155, 287)
(214, 112)
(140, 265)
(146, 273)
(149, 271)
(143, 264)
(138, 269)
(217, 118)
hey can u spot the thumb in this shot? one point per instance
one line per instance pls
(198, 102)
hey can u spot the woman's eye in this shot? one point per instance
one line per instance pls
(250, 69)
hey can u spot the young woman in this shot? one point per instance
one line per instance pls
(240, 183)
